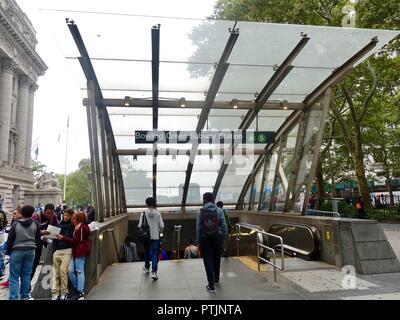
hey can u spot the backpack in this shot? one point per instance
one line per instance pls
(3, 220)
(209, 223)
(144, 230)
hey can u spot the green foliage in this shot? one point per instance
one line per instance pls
(78, 185)
(37, 168)
(345, 210)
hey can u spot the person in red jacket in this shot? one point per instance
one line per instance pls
(80, 249)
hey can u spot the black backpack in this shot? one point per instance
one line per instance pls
(3, 220)
(144, 230)
(209, 223)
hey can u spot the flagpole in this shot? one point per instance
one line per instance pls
(65, 166)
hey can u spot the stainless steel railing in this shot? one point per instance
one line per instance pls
(312, 212)
(261, 231)
(176, 237)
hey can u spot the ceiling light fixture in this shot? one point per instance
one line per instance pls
(127, 101)
(285, 105)
(235, 103)
(182, 102)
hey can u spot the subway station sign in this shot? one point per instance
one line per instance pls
(210, 137)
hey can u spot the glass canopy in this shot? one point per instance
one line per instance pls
(120, 49)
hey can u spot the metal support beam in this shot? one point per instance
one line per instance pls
(266, 161)
(104, 151)
(95, 198)
(184, 152)
(252, 193)
(155, 68)
(289, 123)
(111, 176)
(97, 98)
(194, 104)
(276, 79)
(278, 164)
(317, 147)
(298, 153)
(218, 77)
(94, 117)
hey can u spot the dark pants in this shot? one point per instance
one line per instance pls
(211, 250)
(38, 253)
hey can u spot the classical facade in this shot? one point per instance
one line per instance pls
(20, 68)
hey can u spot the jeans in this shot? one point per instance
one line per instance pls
(77, 273)
(152, 250)
(20, 267)
(2, 259)
(211, 249)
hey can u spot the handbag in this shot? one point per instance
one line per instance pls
(144, 230)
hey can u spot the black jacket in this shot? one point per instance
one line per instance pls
(67, 229)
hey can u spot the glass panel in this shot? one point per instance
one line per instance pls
(269, 179)
(284, 170)
(312, 129)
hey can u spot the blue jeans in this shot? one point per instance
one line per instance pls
(20, 267)
(77, 273)
(152, 250)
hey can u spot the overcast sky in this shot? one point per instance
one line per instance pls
(59, 94)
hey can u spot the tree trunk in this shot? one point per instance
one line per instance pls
(319, 177)
(390, 190)
(358, 159)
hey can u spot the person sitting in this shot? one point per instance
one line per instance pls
(191, 251)
(128, 251)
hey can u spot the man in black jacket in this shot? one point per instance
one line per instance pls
(23, 239)
(62, 257)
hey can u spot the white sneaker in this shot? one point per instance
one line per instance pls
(147, 270)
(63, 297)
(31, 298)
(154, 275)
(55, 297)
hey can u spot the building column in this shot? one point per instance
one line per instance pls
(22, 118)
(6, 80)
(28, 148)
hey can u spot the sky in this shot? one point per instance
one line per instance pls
(59, 97)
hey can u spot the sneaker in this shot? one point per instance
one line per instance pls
(154, 275)
(63, 297)
(78, 296)
(55, 297)
(210, 289)
(31, 298)
(5, 284)
(216, 283)
(147, 270)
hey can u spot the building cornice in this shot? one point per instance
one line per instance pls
(12, 28)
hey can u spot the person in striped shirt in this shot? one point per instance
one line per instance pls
(128, 251)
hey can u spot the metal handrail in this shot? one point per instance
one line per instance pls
(260, 230)
(177, 235)
(330, 213)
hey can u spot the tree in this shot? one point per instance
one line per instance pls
(78, 191)
(37, 168)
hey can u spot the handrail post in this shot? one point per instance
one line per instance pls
(258, 253)
(275, 276)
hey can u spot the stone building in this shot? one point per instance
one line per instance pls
(20, 68)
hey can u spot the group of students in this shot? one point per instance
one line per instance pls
(26, 238)
(211, 232)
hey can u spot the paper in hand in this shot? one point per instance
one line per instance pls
(54, 231)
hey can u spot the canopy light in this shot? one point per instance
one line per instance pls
(135, 158)
(182, 102)
(127, 101)
(235, 103)
(285, 104)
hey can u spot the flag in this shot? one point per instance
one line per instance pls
(37, 152)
